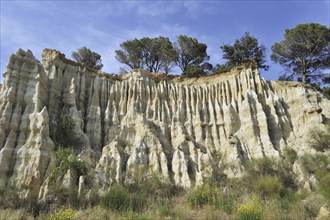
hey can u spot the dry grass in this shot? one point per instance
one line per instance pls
(12, 214)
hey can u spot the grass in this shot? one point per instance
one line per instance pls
(266, 191)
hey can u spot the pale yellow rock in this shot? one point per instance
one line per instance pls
(141, 124)
(323, 214)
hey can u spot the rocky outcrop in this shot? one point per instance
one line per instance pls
(126, 127)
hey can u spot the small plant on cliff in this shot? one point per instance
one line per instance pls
(320, 140)
(67, 159)
(64, 135)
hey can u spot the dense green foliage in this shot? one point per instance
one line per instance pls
(193, 71)
(250, 210)
(320, 140)
(64, 135)
(63, 214)
(305, 51)
(222, 68)
(202, 195)
(191, 53)
(89, 58)
(117, 199)
(268, 185)
(158, 54)
(131, 54)
(68, 159)
(246, 49)
(155, 54)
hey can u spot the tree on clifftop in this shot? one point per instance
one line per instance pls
(155, 54)
(244, 50)
(131, 54)
(158, 53)
(191, 56)
(89, 58)
(305, 51)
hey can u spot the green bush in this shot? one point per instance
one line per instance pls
(324, 187)
(268, 186)
(203, 195)
(116, 198)
(154, 187)
(249, 211)
(320, 140)
(261, 166)
(288, 198)
(9, 198)
(315, 164)
(290, 154)
(63, 214)
(68, 159)
(64, 135)
(227, 200)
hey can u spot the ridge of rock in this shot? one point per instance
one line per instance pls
(181, 129)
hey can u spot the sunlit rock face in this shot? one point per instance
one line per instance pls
(183, 130)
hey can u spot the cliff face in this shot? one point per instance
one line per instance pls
(181, 129)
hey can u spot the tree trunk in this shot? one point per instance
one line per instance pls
(303, 78)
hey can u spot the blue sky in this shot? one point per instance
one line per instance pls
(104, 25)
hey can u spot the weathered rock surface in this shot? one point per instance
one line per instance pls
(142, 124)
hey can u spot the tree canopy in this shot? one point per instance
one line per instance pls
(305, 52)
(131, 53)
(244, 50)
(155, 54)
(89, 58)
(190, 53)
(158, 53)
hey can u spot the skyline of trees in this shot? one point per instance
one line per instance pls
(305, 41)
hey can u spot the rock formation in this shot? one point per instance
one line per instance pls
(181, 129)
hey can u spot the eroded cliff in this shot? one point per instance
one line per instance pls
(181, 129)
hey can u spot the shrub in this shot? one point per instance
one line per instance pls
(203, 195)
(116, 198)
(315, 164)
(290, 154)
(249, 210)
(154, 187)
(324, 187)
(68, 159)
(288, 198)
(320, 140)
(64, 130)
(9, 198)
(261, 166)
(63, 214)
(227, 201)
(268, 185)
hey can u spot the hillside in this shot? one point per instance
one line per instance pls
(123, 128)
